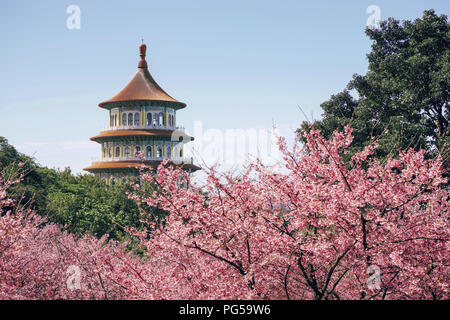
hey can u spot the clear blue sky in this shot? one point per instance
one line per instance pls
(237, 64)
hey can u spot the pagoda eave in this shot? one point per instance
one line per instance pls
(139, 133)
(134, 165)
(138, 102)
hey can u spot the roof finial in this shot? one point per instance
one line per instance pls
(142, 49)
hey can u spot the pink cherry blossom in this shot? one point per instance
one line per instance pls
(312, 228)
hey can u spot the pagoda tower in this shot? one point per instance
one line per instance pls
(142, 120)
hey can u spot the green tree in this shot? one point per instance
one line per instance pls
(79, 203)
(28, 191)
(403, 99)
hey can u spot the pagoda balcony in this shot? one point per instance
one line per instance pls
(142, 127)
(176, 160)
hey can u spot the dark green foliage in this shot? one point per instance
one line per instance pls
(81, 204)
(403, 100)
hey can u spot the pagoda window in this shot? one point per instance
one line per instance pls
(124, 119)
(148, 152)
(169, 151)
(127, 152)
(137, 151)
(117, 152)
(149, 119)
(160, 119)
(109, 152)
(155, 119)
(104, 152)
(136, 119)
(115, 120)
(159, 152)
(130, 119)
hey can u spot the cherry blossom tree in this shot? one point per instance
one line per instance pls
(313, 227)
(314, 230)
(39, 261)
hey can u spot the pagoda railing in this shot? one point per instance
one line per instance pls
(177, 160)
(134, 127)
